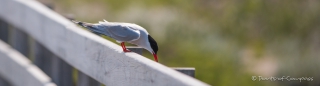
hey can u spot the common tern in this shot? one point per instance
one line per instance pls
(124, 32)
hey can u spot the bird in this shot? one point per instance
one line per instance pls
(123, 32)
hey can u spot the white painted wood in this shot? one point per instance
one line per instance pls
(18, 70)
(98, 58)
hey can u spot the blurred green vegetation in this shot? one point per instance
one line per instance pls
(227, 41)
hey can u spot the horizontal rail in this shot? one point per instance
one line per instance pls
(185, 70)
(94, 56)
(18, 70)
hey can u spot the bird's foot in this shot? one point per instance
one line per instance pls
(126, 50)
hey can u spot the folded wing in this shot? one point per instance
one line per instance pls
(122, 33)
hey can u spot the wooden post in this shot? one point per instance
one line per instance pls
(18, 70)
(61, 72)
(52, 65)
(190, 71)
(4, 82)
(135, 49)
(19, 41)
(84, 80)
(41, 57)
(4, 31)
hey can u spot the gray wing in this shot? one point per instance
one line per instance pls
(120, 32)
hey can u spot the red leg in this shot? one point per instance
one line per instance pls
(124, 47)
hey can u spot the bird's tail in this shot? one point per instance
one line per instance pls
(83, 24)
(88, 26)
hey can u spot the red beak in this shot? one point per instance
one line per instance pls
(155, 57)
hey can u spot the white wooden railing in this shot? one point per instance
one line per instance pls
(54, 46)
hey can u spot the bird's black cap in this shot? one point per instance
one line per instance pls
(153, 44)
